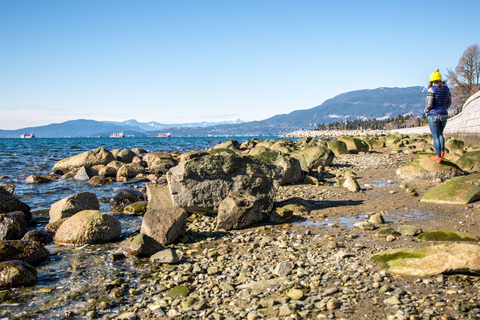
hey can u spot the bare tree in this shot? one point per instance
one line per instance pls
(464, 81)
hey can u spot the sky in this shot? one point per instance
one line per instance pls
(215, 60)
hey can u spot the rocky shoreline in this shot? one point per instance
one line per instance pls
(315, 265)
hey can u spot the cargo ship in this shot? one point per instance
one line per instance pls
(117, 135)
(27, 136)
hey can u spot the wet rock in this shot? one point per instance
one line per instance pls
(68, 206)
(424, 168)
(125, 197)
(158, 196)
(432, 260)
(42, 236)
(238, 211)
(7, 188)
(458, 190)
(87, 159)
(165, 225)
(85, 173)
(165, 256)
(136, 208)
(12, 225)
(17, 273)
(199, 185)
(88, 226)
(53, 227)
(36, 178)
(29, 251)
(140, 245)
(8, 203)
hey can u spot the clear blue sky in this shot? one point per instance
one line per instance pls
(201, 60)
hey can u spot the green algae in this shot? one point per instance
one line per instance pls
(440, 235)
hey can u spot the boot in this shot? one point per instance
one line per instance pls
(436, 159)
(442, 154)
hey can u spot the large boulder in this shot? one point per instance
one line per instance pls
(155, 158)
(238, 211)
(454, 145)
(469, 161)
(88, 227)
(125, 155)
(8, 203)
(129, 171)
(87, 159)
(12, 225)
(457, 190)
(42, 236)
(17, 273)
(191, 155)
(29, 251)
(68, 206)
(424, 168)
(199, 185)
(158, 196)
(313, 157)
(432, 260)
(85, 173)
(355, 144)
(292, 170)
(230, 144)
(338, 147)
(165, 225)
(125, 197)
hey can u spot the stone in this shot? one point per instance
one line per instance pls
(70, 205)
(313, 157)
(136, 208)
(165, 256)
(407, 230)
(364, 225)
(292, 169)
(376, 219)
(458, 190)
(107, 171)
(333, 304)
(338, 147)
(263, 284)
(427, 261)
(179, 291)
(295, 294)
(165, 225)
(385, 232)
(355, 144)
(238, 211)
(351, 184)
(129, 171)
(12, 225)
(424, 168)
(229, 144)
(17, 273)
(156, 158)
(8, 203)
(282, 214)
(393, 300)
(87, 159)
(7, 188)
(191, 155)
(158, 196)
(470, 161)
(200, 184)
(42, 236)
(283, 268)
(85, 173)
(140, 245)
(125, 155)
(28, 251)
(441, 235)
(36, 178)
(88, 227)
(125, 197)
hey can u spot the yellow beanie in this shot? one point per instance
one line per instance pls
(435, 76)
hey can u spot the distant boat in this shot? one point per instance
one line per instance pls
(117, 135)
(163, 135)
(27, 136)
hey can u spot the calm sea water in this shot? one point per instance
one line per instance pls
(20, 158)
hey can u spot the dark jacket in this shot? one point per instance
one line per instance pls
(438, 100)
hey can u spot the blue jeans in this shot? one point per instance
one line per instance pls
(437, 124)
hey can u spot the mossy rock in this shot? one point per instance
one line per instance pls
(393, 138)
(424, 168)
(355, 144)
(338, 147)
(449, 258)
(136, 208)
(179, 291)
(375, 143)
(220, 150)
(385, 232)
(470, 179)
(469, 161)
(440, 235)
(454, 144)
(453, 193)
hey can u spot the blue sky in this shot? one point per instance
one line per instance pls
(191, 60)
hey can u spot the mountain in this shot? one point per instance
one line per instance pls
(361, 104)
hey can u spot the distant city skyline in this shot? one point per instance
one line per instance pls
(192, 61)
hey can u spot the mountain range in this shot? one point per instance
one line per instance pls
(377, 103)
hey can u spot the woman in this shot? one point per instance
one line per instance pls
(439, 100)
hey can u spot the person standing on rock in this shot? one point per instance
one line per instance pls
(439, 100)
